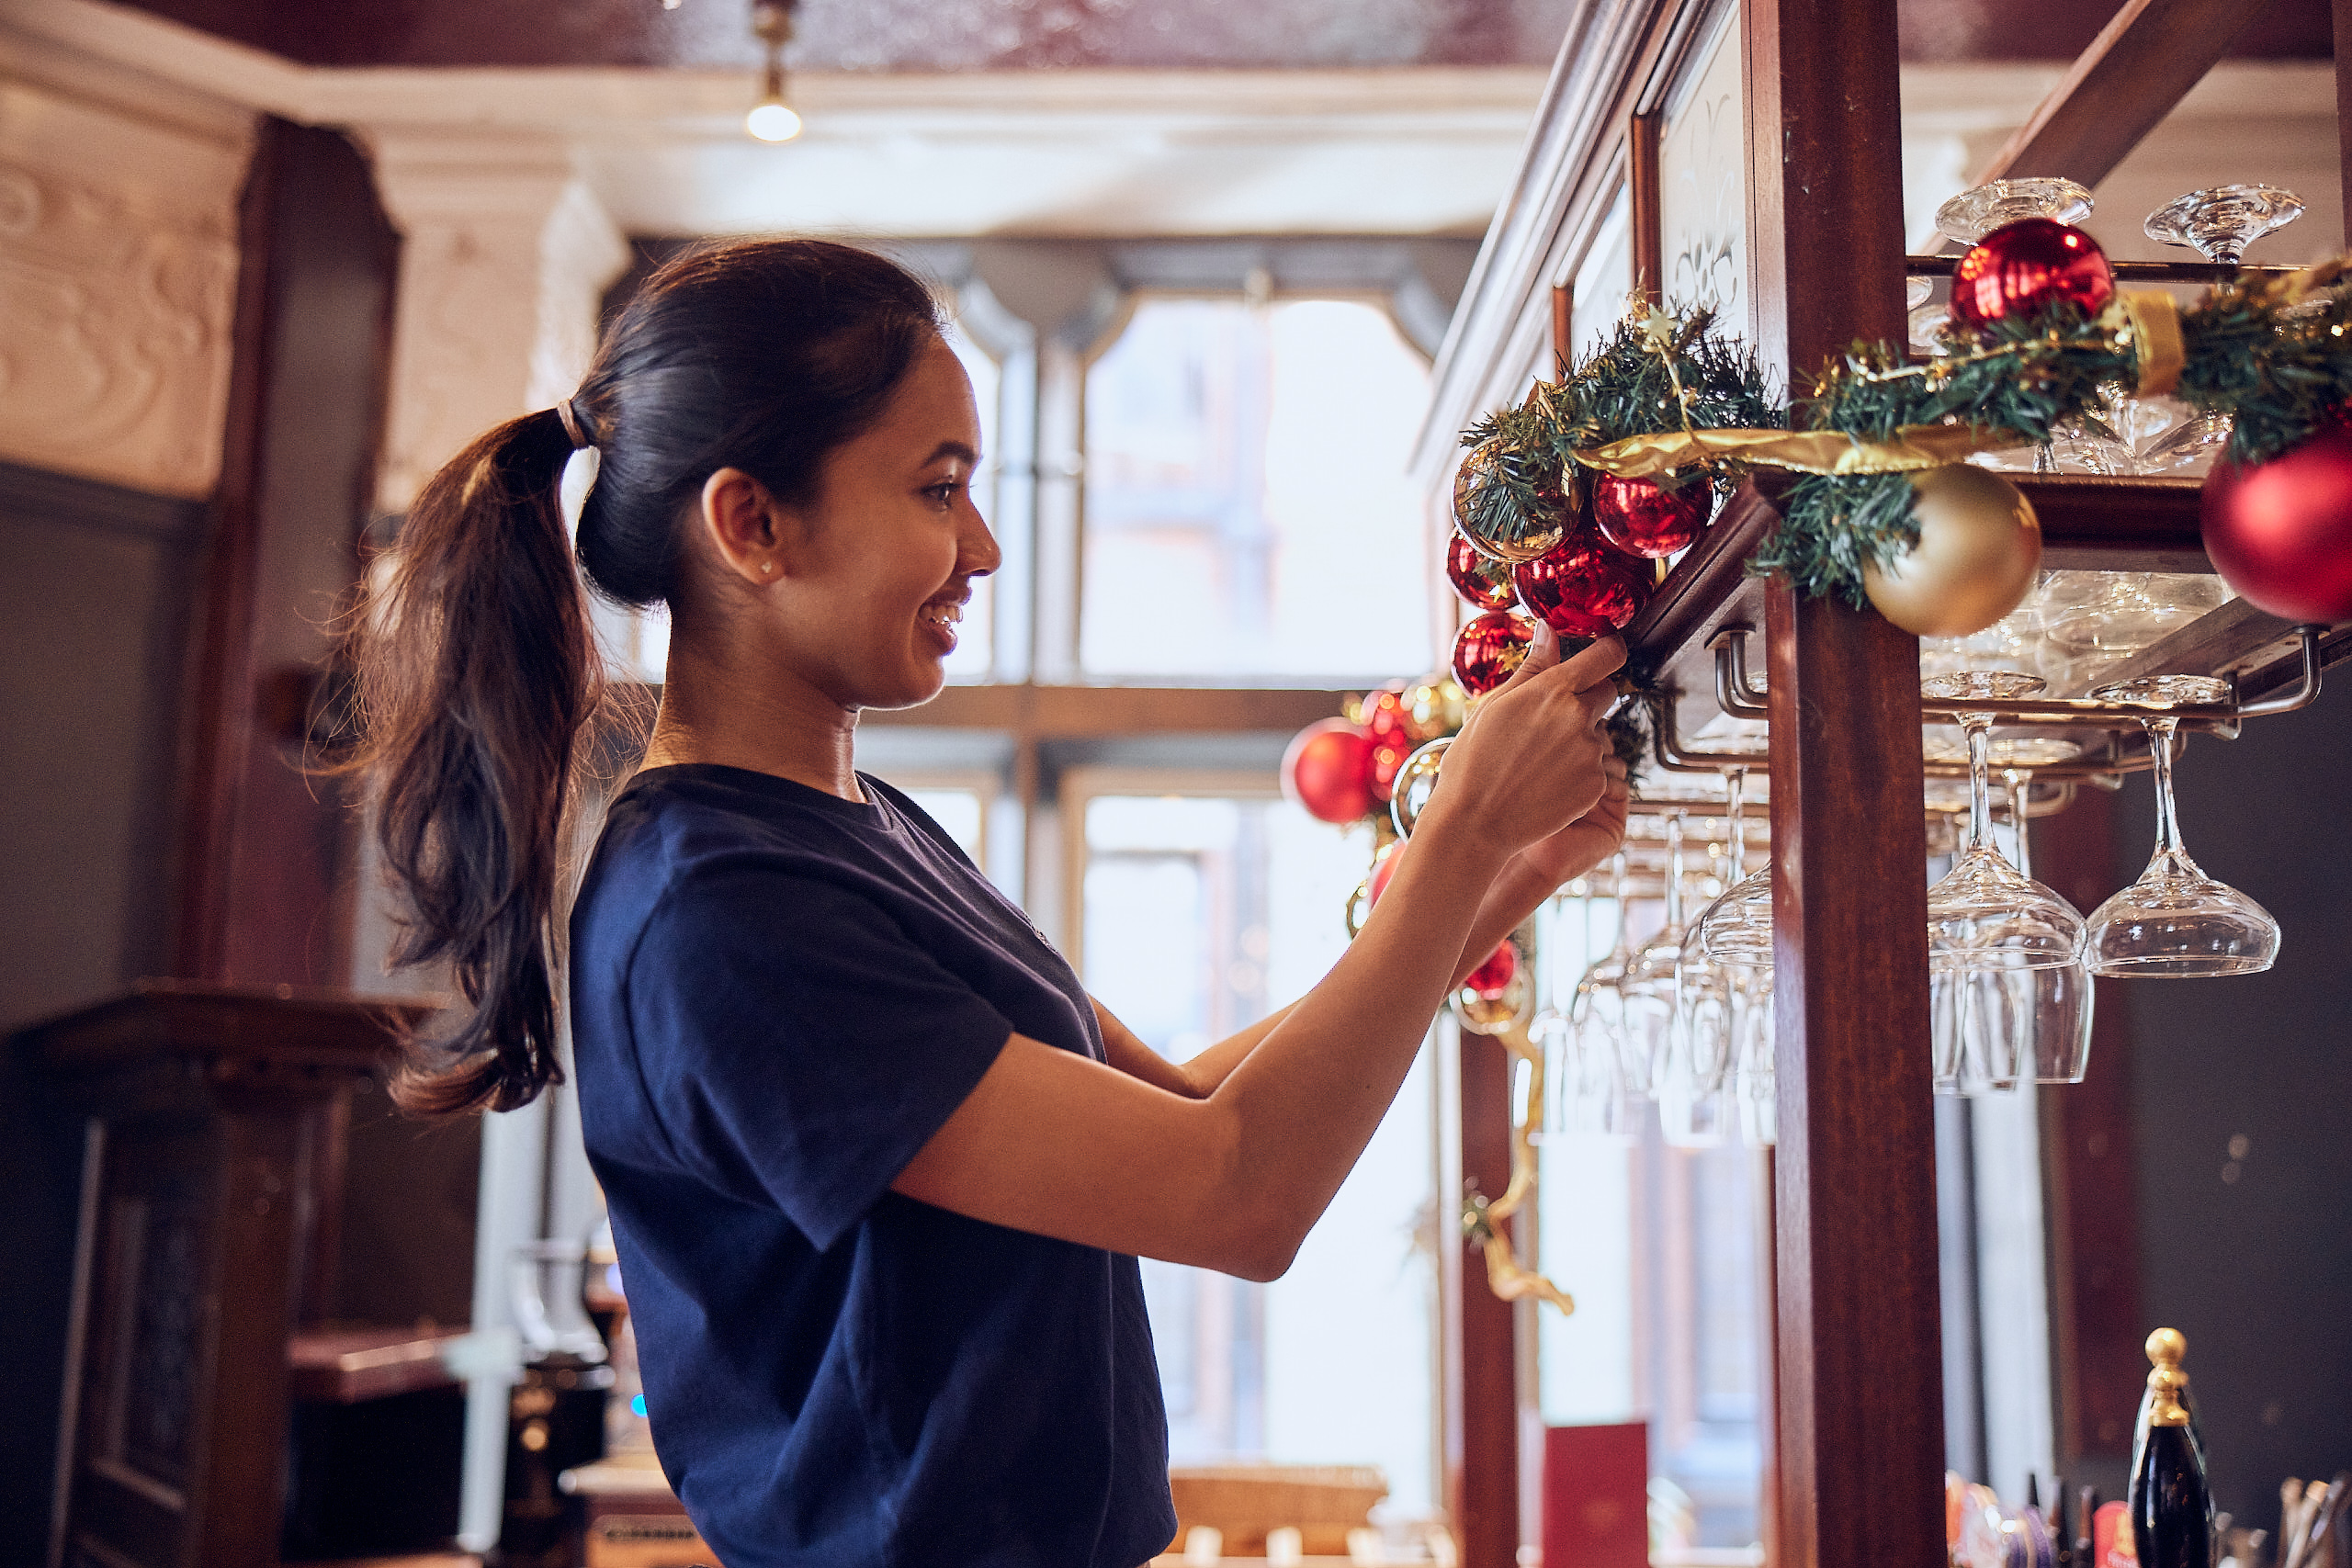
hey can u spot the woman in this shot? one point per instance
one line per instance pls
(878, 1168)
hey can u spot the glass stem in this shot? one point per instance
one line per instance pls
(1734, 790)
(2160, 732)
(2020, 785)
(1980, 781)
(1674, 869)
(1617, 892)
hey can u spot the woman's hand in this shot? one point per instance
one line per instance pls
(1534, 763)
(1585, 842)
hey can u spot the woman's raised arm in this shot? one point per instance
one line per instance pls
(1055, 1143)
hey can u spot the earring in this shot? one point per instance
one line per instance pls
(766, 566)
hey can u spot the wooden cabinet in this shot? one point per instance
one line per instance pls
(213, 1135)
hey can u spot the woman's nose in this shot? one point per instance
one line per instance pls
(980, 554)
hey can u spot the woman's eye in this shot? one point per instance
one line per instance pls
(944, 495)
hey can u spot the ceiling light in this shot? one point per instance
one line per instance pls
(772, 118)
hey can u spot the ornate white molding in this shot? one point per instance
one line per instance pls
(505, 258)
(117, 285)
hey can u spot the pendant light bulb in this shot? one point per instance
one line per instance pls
(772, 119)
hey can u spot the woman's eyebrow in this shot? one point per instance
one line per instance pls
(953, 450)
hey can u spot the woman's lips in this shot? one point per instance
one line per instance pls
(943, 616)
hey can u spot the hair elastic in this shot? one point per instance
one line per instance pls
(572, 424)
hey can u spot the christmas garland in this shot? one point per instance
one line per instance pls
(1668, 399)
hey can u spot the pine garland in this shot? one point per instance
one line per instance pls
(2272, 354)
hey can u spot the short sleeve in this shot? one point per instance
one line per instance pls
(796, 1043)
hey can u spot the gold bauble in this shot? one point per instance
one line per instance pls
(1979, 549)
(1494, 524)
(1435, 707)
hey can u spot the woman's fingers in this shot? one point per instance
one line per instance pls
(1542, 655)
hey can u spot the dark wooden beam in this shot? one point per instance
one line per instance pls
(1642, 134)
(2343, 15)
(1860, 1405)
(2090, 523)
(1564, 336)
(221, 698)
(2142, 62)
(1481, 1338)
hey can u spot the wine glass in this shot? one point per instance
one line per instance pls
(2218, 224)
(1694, 1110)
(1984, 915)
(1597, 1008)
(2127, 611)
(2175, 922)
(1587, 1096)
(1972, 214)
(1648, 986)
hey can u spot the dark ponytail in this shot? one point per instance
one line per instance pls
(477, 666)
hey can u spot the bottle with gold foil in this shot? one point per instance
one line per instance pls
(2171, 1505)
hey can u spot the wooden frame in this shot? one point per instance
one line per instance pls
(1857, 1440)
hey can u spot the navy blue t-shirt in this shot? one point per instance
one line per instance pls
(777, 996)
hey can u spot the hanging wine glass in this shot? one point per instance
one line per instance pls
(1983, 914)
(1754, 1086)
(2124, 612)
(2175, 922)
(1597, 1010)
(1648, 985)
(2218, 224)
(1694, 1112)
(1996, 938)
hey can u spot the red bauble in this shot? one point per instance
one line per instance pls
(1489, 650)
(1582, 590)
(1642, 517)
(1328, 771)
(1389, 723)
(2022, 267)
(1383, 869)
(2280, 533)
(1477, 577)
(1493, 978)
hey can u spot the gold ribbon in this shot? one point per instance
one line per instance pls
(2154, 316)
(1913, 447)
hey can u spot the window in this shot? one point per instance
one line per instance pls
(1247, 513)
(1205, 902)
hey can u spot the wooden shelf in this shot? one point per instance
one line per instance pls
(347, 1366)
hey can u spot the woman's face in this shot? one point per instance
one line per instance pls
(889, 549)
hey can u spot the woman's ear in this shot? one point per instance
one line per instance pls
(745, 526)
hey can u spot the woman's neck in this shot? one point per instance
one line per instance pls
(774, 724)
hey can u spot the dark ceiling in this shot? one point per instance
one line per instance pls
(951, 34)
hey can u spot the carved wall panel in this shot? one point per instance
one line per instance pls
(117, 270)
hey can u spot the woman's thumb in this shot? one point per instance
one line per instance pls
(1541, 654)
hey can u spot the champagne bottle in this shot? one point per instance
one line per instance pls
(2172, 1506)
(2175, 1347)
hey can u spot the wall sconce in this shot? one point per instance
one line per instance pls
(772, 118)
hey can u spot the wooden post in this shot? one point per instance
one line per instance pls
(1643, 132)
(2344, 105)
(1859, 1445)
(1482, 1342)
